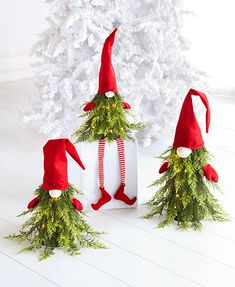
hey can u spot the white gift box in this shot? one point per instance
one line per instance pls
(87, 180)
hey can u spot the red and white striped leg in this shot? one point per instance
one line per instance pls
(120, 195)
(122, 162)
(105, 197)
(101, 148)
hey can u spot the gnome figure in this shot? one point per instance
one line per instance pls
(57, 217)
(184, 188)
(55, 179)
(107, 121)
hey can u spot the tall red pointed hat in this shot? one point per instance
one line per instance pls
(107, 78)
(188, 133)
(56, 164)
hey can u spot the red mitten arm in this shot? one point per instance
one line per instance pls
(77, 204)
(210, 173)
(33, 202)
(89, 107)
(163, 167)
(126, 106)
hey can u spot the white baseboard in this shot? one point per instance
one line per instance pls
(15, 67)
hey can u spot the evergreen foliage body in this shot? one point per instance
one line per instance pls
(54, 222)
(108, 121)
(183, 193)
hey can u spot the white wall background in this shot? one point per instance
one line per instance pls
(211, 32)
(20, 21)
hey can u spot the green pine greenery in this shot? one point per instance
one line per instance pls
(108, 121)
(183, 193)
(56, 223)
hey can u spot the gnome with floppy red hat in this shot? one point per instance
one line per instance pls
(107, 122)
(57, 217)
(55, 179)
(184, 188)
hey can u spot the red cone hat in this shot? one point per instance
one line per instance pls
(188, 133)
(56, 165)
(107, 78)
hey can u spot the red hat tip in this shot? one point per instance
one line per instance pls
(107, 77)
(188, 133)
(56, 163)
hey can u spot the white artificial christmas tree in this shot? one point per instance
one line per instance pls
(152, 70)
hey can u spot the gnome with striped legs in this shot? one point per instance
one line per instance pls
(57, 218)
(106, 121)
(183, 193)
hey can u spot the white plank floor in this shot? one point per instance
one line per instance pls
(139, 254)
